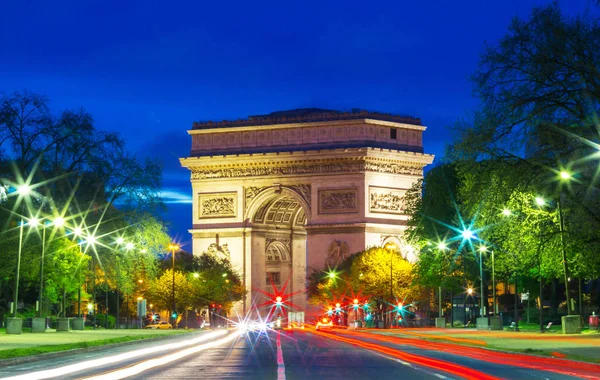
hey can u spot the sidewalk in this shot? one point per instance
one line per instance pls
(51, 337)
(577, 347)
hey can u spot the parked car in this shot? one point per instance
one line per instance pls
(324, 324)
(162, 325)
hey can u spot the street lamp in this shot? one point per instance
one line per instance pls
(561, 223)
(173, 248)
(482, 249)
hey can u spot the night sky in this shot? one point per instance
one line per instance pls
(148, 69)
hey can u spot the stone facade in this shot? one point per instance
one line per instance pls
(287, 198)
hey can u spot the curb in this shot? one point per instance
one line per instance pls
(58, 354)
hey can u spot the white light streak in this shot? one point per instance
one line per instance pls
(97, 363)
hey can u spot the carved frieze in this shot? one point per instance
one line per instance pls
(386, 200)
(217, 205)
(338, 201)
(307, 168)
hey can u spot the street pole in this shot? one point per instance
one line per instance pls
(94, 290)
(118, 294)
(481, 283)
(42, 271)
(440, 302)
(516, 304)
(493, 286)
(16, 297)
(173, 293)
(391, 281)
(564, 256)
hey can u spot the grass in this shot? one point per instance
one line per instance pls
(37, 350)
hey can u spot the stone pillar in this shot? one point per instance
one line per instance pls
(78, 323)
(496, 322)
(38, 325)
(571, 324)
(440, 323)
(63, 324)
(14, 325)
(483, 323)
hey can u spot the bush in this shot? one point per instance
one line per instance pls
(100, 321)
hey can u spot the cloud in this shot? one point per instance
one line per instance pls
(174, 196)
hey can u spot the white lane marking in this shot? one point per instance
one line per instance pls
(152, 363)
(415, 367)
(61, 371)
(280, 362)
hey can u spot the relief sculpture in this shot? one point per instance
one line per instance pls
(338, 201)
(387, 200)
(217, 205)
(308, 168)
(337, 252)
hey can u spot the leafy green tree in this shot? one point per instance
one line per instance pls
(215, 281)
(160, 291)
(540, 98)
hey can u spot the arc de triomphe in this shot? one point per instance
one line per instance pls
(293, 191)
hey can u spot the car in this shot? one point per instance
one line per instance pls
(324, 324)
(162, 325)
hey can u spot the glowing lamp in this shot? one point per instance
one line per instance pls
(467, 234)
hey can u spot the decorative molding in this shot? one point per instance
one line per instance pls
(217, 205)
(250, 193)
(277, 249)
(338, 201)
(309, 168)
(386, 200)
(303, 190)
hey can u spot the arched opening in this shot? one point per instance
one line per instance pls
(278, 217)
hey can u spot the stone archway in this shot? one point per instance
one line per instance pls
(278, 216)
(295, 191)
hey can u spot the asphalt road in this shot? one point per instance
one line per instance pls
(274, 355)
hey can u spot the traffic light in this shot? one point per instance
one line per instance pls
(356, 303)
(329, 311)
(400, 305)
(337, 307)
(174, 315)
(278, 301)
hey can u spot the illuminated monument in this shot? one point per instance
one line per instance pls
(283, 193)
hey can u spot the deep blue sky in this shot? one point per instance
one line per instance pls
(150, 68)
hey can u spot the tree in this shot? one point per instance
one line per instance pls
(535, 130)
(160, 291)
(216, 281)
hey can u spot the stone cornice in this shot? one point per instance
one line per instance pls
(405, 165)
(323, 155)
(309, 119)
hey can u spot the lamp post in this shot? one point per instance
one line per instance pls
(482, 249)
(23, 191)
(173, 248)
(391, 248)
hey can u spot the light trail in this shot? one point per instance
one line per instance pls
(561, 366)
(441, 365)
(153, 363)
(280, 362)
(97, 363)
